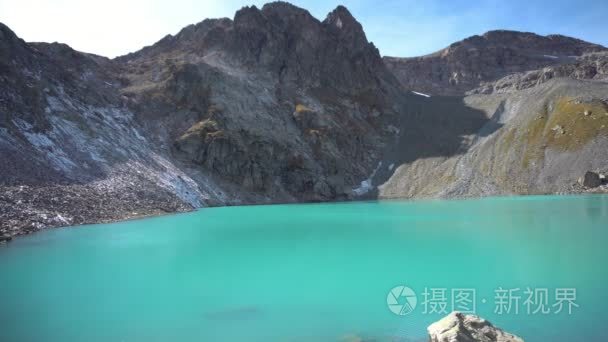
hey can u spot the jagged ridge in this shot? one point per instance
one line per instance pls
(464, 65)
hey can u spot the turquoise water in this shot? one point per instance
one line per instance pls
(315, 272)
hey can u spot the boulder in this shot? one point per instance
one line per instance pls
(558, 129)
(458, 327)
(590, 180)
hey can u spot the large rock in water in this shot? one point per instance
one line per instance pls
(458, 327)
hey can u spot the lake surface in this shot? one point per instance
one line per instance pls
(313, 272)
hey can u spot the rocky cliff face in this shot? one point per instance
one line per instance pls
(592, 66)
(274, 102)
(273, 106)
(466, 64)
(72, 150)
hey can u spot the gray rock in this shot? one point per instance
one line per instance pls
(589, 66)
(558, 129)
(458, 327)
(590, 180)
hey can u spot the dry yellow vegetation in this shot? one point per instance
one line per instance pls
(300, 108)
(569, 126)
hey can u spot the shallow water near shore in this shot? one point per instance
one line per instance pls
(311, 272)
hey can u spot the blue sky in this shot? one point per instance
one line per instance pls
(398, 28)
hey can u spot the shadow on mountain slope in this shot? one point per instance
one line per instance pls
(438, 126)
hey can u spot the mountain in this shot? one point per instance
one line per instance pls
(466, 64)
(590, 66)
(272, 106)
(275, 106)
(274, 103)
(71, 148)
(546, 129)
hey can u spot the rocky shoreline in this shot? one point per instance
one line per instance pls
(26, 209)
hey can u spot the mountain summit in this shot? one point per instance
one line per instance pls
(464, 65)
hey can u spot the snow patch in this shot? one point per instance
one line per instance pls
(339, 23)
(390, 167)
(421, 94)
(366, 185)
(550, 56)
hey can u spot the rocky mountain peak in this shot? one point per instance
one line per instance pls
(466, 64)
(249, 16)
(199, 30)
(284, 8)
(10, 44)
(341, 18)
(506, 35)
(233, 82)
(6, 34)
(341, 21)
(288, 17)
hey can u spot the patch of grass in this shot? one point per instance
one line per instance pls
(202, 129)
(576, 128)
(579, 129)
(534, 136)
(507, 141)
(204, 125)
